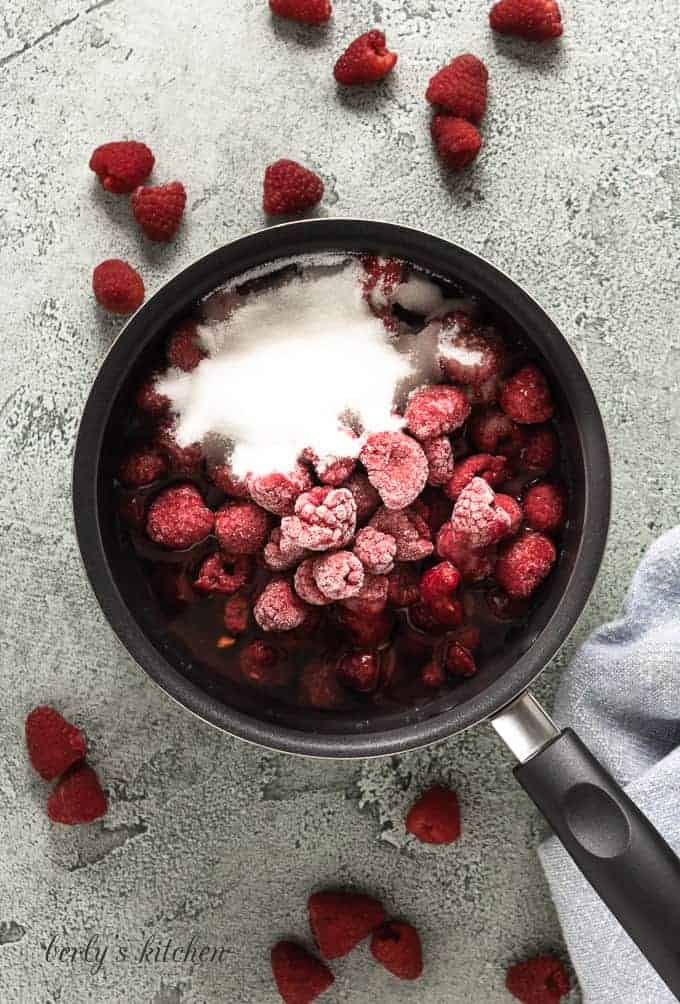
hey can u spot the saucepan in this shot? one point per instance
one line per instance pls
(616, 847)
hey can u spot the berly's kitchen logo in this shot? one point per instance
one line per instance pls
(149, 952)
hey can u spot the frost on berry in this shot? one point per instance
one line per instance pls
(371, 598)
(330, 470)
(178, 517)
(324, 518)
(338, 575)
(493, 470)
(514, 511)
(306, 587)
(473, 565)
(524, 563)
(476, 518)
(277, 492)
(526, 397)
(141, 467)
(364, 494)
(241, 527)
(280, 553)
(382, 277)
(468, 354)
(439, 453)
(396, 466)
(375, 550)
(408, 528)
(279, 608)
(436, 411)
(222, 574)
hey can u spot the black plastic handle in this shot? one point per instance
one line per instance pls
(622, 855)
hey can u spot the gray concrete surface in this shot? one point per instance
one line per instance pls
(576, 193)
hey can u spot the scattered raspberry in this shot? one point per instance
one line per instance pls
(221, 574)
(543, 980)
(460, 88)
(319, 687)
(159, 210)
(184, 349)
(77, 798)
(117, 286)
(187, 460)
(375, 550)
(435, 817)
(280, 553)
(241, 527)
(53, 744)
(437, 590)
(524, 563)
(473, 565)
(481, 465)
(324, 518)
(403, 586)
(534, 20)
(371, 598)
(341, 920)
(224, 478)
(277, 492)
(476, 518)
(178, 517)
(396, 946)
(122, 166)
(382, 277)
(360, 671)
(440, 460)
(436, 411)
(540, 449)
(526, 396)
(338, 575)
(366, 629)
(366, 60)
(409, 530)
(290, 188)
(236, 614)
(492, 431)
(141, 467)
(544, 507)
(278, 608)
(263, 665)
(458, 660)
(432, 675)
(396, 466)
(300, 978)
(457, 141)
(306, 587)
(365, 496)
(305, 11)
(150, 401)
(514, 511)
(468, 354)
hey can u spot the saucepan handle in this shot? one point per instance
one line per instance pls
(625, 859)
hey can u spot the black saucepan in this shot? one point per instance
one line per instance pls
(618, 850)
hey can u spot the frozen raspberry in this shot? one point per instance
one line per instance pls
(366, 60)
(367, 630)
(514, 511)
(117, 286)
(468, 354)
(77, 798)
(332, 471)
(473, 565)
(459, 88)
(360, 671)
(543, 980)
(492, 431)
(173, 587)
(53, 744)
(319, 686)
(187, 460)
(481, 465)
(278, 608)
(224, 478)
(425, 619)
(338, 575)
(365, 496)
(290, 188)
(299, 977)
(437, 590)
(533, 20)
(409, 530)
(544, 507)
(306, 587)
(524, 563)
(339, 921)
(264, 665)
(476, 518)
(324, 518)
(440, 460)
(375, 550)
(280, 553)
(436, 411)
(184, 349)
(435, 817)
(305, 11)
(241, 527)
(432, 675)
(403, 587)
(122, 166)
(236, 614)
(458, 660)
(541, 448)
(277, 492)
(141, 467)
(526, 397)
(382, 276)
(222, 574)
(371, 598)
(150, 401)
(457, 141)
(396, 466)
(178, 517)
(396, 946)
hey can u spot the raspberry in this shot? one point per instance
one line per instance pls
(396, 946)
(473, 565)
(150, 401)
(277, 492)
(439, 458)
(457, 141)
(437, 588)
(481, 465)
(236, 614)
(360, 671)
(53, 744)
(432, 675)
(468, 354)
(332, 471)
(396, 466)
(435, 411)
(183, 349)
(264, 665)
(366, 629)
(460, 88)
(290, 188)
(382, 276)
(540, 449)
(459, 660)
(375, 550)
(324, 518)
(341, 920)
(435, 817)
(224, 478)
(338, 575)
(365, 60)
(534, 20)
(544, 507)
(280, 553)
(371, 598)
(468, 635)
(77, 798)
(241, 527)
(409, 529)
(319, 687)
(476, 518)
(299, 977)
(122, 166)
(141, 467)
(186, 460)
(306, 11)
(159, 210)
(278, 608)
(492, 431)
(514, 511)
(403, 589)
(524, 563)
(306, 587)
(117, 286)
(178, 517)
(221, 574)
(543, 980)
(526, 396)
(365, 496)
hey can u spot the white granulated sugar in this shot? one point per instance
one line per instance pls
(283, 371)
(419, 295)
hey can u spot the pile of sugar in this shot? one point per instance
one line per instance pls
(286, 368)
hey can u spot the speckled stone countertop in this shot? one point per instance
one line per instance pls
(576, 194)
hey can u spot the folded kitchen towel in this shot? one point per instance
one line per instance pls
(622, 695)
